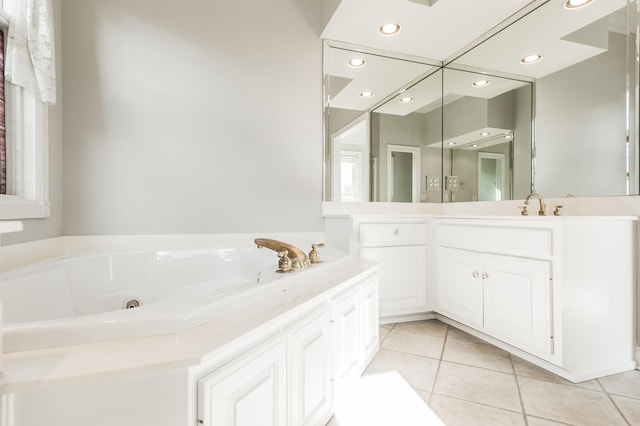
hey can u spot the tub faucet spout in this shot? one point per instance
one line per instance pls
(543, 206)
(298, 257)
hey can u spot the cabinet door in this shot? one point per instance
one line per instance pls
(345, 335)
(402, 278)
(518, 302)
(460, 285)
(370, 330)
(309, 371)
(249, 391)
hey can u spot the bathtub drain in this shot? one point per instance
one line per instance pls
(133, 303)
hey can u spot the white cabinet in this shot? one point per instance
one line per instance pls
(250, 391)
(354, 321)
(556, 291)
(291, 378)
(309, 370)
(504, 296)
(399, 244)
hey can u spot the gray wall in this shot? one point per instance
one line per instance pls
(192, 117)
(577, 110)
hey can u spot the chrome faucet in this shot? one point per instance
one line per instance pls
(543, 206)
(298, 258)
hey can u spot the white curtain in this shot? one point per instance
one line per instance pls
(30, 60)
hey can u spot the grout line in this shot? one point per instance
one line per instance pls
(476, 403)
(515, 376)
(613, 402)
(435, 379)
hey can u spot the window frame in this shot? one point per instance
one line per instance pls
(27, 152)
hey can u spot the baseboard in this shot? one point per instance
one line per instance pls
(392, 319)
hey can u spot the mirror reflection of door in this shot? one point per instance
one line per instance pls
(350, 162)
(403, 171)
(491, 171)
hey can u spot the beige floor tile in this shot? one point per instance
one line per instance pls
(477, 355)
(389, 326)
(456, 334)
(478, 385)
(454, 412)
(527, 369)
(431, 327)
(534, 421)
(383, 332)
(418, 371)
(417, 344)
(426, 396)
(630, 408)
(567, 404)
(627, 384)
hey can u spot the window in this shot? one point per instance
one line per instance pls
(25, 169)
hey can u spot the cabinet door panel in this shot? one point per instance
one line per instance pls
(403, 282)
(309, 370)
(518, 302)
(370, 328)
(248, 392)
(460, 287)
(345, 323)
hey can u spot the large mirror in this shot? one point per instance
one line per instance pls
(565, 124)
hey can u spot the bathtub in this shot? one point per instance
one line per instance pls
(120, 295)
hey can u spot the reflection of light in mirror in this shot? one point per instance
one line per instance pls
(475, 145)
(389, 29)
(406, 100)
(357, 63)
(575, 4)
(531, 59)
(451, 143)
(366, 94)
(481, 83)
(484, 134)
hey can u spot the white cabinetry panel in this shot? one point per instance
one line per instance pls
(517, 302)
(460, 288)
(250, 391)
(309, 370)
(403, 278)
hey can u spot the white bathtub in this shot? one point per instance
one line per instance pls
(83, 298)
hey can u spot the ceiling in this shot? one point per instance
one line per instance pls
(431, 31)
(441, 29)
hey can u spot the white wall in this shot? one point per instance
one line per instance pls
(192, 116)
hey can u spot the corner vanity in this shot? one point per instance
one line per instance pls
(557, 291)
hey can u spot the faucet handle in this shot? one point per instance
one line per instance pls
(284, 264)
(558, 210)
(524, 211)
(314, 254)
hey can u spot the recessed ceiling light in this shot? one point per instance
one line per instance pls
(475, 145)
(406, 100)
(389, 29)
(366, 94)
(530, 59)
(357, 63)
(481, 83)
(508, 136)
(451, 143)
(484, 134)
(575, 4)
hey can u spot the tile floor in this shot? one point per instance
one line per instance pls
(469, 382)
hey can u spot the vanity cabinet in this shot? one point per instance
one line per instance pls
(505, 296)
(399, 244)
(558, 292)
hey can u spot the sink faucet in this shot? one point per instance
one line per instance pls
(543, 206)
(298, 258)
